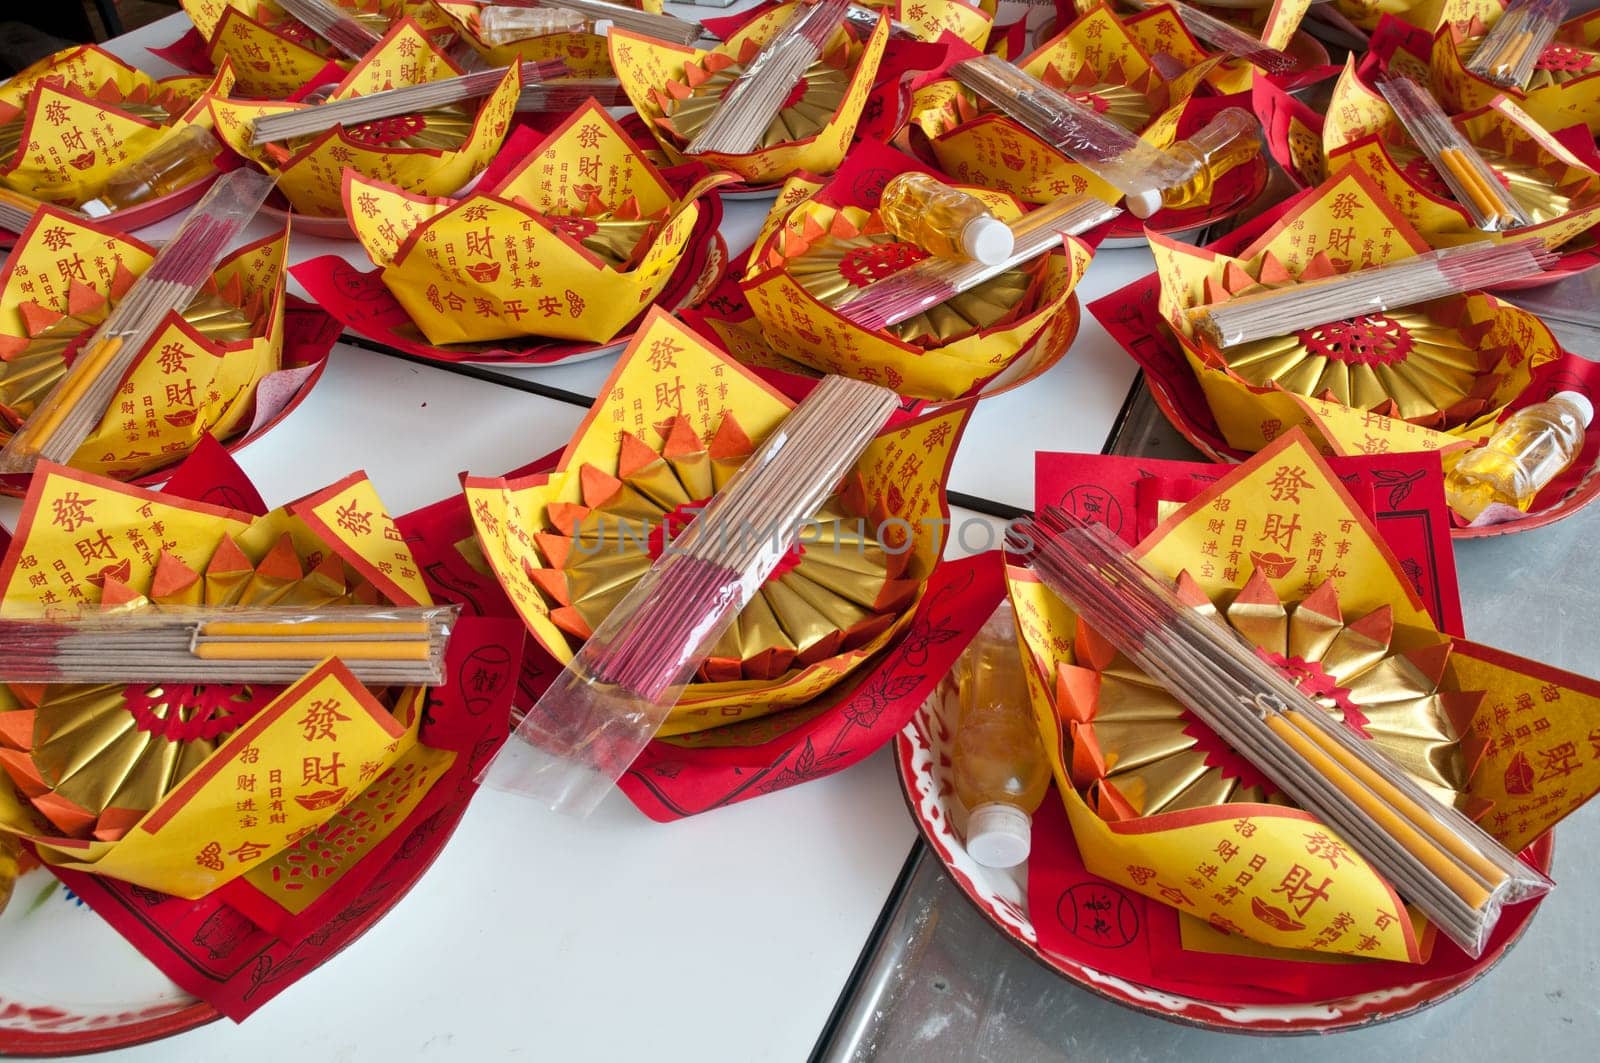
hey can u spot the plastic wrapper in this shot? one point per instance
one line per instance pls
(583, 50)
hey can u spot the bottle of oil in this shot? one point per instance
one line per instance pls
(999, 766)
(942, 220)
(1229, 140)
(1525, 453)
(505, 25)
(177, 161)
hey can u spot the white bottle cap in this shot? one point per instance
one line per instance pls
(987, 240)
(1145, 203)
(1585, 407)
(999, 835)
(95, 209)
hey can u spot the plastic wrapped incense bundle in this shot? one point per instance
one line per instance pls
(1224, 36)
(1471, 181)
(751, 102)
(1508, 54)
(381, 645)
(502, 23)
(1151, 179)
(926, 284)
(1435, 856)
(865, 20)
(67, 416)
(16, 210)
(1278, 311)
(334, 25)
(428, 96)
(613, 696)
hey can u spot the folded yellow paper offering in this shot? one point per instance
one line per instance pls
(672, 424)
(431, 153)
(574, 243)
(69, 122)
(196, 376)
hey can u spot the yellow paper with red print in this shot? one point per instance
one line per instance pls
(800, 327)
(646, 66)
(350, 514)
(584, 53)
(507, 261)
(1572, 100)
(311, 176)
(76, 130)
(1361, 127)
(983, 147)
(80, 529)
(280, 777)
(1159, 31)
(669, 371)
(1343, 430)
(931, 19)
(1367, 13)
(270, 63)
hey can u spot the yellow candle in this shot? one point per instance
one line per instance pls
(312, 651)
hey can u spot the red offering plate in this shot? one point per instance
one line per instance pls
(1391, 990)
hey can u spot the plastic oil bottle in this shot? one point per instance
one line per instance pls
(1229, 140)
(943, 221)
(177, 161)
(999, 766)
(506, 25)
(1525, 453)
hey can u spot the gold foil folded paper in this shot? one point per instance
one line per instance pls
(69, 122)
(1422, 377)
(1565, 87)
(677, 89)
(431, 153)
(197, 375)
(572, 244)
(1099, 62)
(674, 421)
(1559, 191)
(584, 53)
(181, 787)
(813, 256)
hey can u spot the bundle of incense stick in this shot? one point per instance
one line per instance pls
(334, 25)
(754, 99)
(929, 282)
(568, 94)
(1305, 304)
(1437, 858)
(1507, 54)
(309, 121)
(1136, 169)
(16, 210)
(509, 19)
(1474, 185)
(76, 404)
(1223, 36)
(382, 645)
(612, 697)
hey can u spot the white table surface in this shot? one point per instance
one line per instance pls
(727, 936)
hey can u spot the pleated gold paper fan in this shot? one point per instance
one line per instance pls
(686, 108)
(1528, 184)
(835, 592)
(1432, 364)
(1138, 752)
(29, 372)
(93, 759)
(620, 237)
(834, 268)
(1129, 102)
